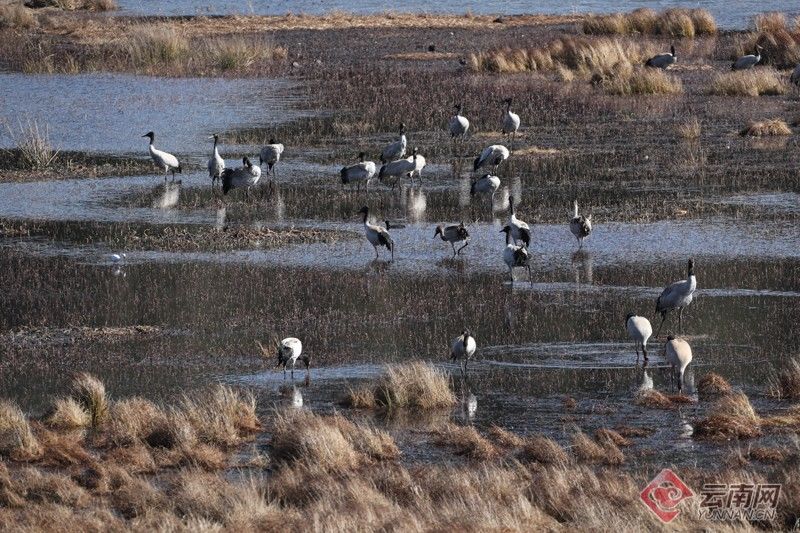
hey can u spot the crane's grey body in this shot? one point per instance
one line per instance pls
(458, 124)
(463, 347)
(491, 156)
(520, 231)
(453, 234)
(237, 178)
(516, 256)
(640, 330)
(358, 173)
(678, 354)
(376, 235)
(677, 296)
(401, 167)
(216, 164)
(396, 149)
(163, 160)
(579, 225)
(270, 155)
(748, 61)
(663, 61)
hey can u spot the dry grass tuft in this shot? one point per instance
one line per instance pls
(766, 454)
(690, 129)
(33, 144)
(604, 435)
(634, 432)
(221, 417)
(17, 441)
(754, 82)
(133, 421)
(465, 440)
(16, 16)
(585, 449)
(764, 128)
(653, 399)
(416, 385)
(639, 80)
(731, 417)
(156, 45)
(789, 418)
(712, 384)
(670, 23)
(786, 384)
(90, 393)
(238, 53)
(780, 44)
(360, 398)
(541, 449)
(69, 414)
(504, 438)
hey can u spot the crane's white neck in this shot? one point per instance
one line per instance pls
(575, 209)
(692, 282)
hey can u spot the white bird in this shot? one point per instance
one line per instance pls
(663, 61)
(677, 296)
(270, 155)
(516, 256)
(236, 178)
(398, 168)
(458, 124)
(117, 258)
(795, 77)
(376, 235)
(396, 149)
(163, 160)
(289, 350)
(216, 164)
(679, 355)
(463, 347)
(453, 234)
(748, 61)
(491, 155)
(419, 164)
(363, 171)
(510, 122)
(579, 225)
(520, 231)
(640, 330)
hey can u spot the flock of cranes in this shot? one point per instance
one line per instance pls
(516, 254)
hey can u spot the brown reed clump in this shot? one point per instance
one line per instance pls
(730, 417)
(753, 82)
(653, 399)
(69, 414)
(465, 440)
(786, 383)
(604, 435)
(585, 449)
(764, 128)
(712, 384)
(90, 393)
(504, 438)
(16, 16)
(417, 385)
(690, 129)
(541, 449)
(17, 440)
(640, 80)
(359, 398)
(670, 23)
(223, 416)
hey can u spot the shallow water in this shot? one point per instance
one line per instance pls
(729, 14)
(111, 112)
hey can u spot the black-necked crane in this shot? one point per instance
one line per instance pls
(520, 231)
(453, 234)
(640, 330)
(664, 60)
(271, 154)
(491, 156)
(376, 235)
(419, 164)
(748, 61)
(395, 149)
(516, 256)
(458, 124)
(510, 122)
(579, 225)
(399, 168)
(679, 355)
(677, 296)
(290, 350)
(358, 173)
(216, 164)
(163, 160)
(463, 347)
(244, 177)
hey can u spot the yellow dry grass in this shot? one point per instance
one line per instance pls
(16, 437)
(669, 23)
(754, 82)
(544, 450)
(766, 128)
(69, 414)
(466, 441)
(786, 383)
(690, 129)
(639, 80)
(730, 417)
(16, 16)
(90, 393)
(416, 385)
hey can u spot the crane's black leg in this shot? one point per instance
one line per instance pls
(680, 320)
(454, 248)
(637, 352)
(644, 350)
(459, 250)
(663, 318)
